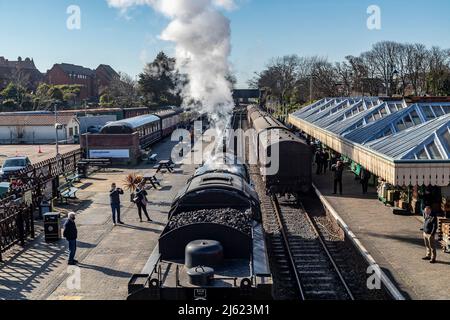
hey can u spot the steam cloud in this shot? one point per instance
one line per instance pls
(202, 37)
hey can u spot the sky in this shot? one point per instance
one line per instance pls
(261, 30)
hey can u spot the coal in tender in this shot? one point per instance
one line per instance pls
(240, 220)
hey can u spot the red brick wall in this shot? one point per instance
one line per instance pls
(114, 142)
(103, 79)
(57, 76)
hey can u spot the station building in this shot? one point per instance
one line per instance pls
(405, 144)
(37, 128)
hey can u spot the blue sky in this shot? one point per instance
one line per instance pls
(261, 29)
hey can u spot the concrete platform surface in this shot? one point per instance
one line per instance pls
(108, 255)
(395, 242)
(32, 151)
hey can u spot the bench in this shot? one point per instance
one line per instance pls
(153, 180)
(72, 178)
(165, 164)
(67, 191)
(84, 164)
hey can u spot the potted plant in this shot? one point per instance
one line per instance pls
(132, 181)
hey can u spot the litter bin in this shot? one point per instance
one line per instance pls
(82, 169)
(52, 227)
(44, 207)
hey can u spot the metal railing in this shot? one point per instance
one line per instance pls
(16, 216)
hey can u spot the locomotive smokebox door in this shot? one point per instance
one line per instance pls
(204, 253)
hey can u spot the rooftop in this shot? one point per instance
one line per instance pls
(8, 120)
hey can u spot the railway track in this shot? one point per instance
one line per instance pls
(302, 263)
(316, 273)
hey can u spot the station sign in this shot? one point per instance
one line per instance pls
(109, 154)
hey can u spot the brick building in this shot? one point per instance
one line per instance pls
(22, 71)
(70, 74)
(104, 76)
(93, 82)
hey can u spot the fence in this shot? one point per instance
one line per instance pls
(16, 217)
(16, 224)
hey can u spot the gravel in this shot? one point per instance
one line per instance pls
(240, 220)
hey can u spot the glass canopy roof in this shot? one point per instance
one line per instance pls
(399, 131)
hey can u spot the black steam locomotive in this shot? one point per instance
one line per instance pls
(213, 247)
(284, 159)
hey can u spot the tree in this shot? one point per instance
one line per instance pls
(439, 71)
(417, 55)
(122, 92)
(160, 81)
(55, 93)
(11, 92)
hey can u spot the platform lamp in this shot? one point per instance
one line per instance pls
(58, 126)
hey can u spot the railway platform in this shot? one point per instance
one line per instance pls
(395, 242)
(108, 255)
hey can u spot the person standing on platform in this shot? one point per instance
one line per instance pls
(142, 202)
(365, 177)
(114, 197)
(334, 159)
(338, 171)
(71, 235)
(319, 162)
(326, 161)
(430, 227)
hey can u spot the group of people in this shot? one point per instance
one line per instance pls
(322, 160)
(330, 161)
(325, 160)
(139, 198)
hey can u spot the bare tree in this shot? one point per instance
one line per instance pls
(439, 70)
(416, 66)
(122, 91)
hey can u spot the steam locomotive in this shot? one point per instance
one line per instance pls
(213, 247)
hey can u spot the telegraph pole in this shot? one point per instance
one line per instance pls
(56, 129)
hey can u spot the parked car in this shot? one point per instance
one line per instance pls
(12, 165)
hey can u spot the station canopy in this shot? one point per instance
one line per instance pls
(404, 144)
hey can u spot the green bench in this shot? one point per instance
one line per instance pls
(67, 191)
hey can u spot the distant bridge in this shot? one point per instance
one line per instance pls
(247, 95)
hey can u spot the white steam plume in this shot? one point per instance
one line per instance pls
(202, 37)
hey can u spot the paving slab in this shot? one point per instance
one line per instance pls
(36, 153)
(108, 255)
(394, 241)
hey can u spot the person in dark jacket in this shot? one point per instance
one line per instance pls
(325, 161)
(338, 171)
(71, 235)
(114, 197)
(365, 177)
(430, 227)
(319, 161)
(141, 202)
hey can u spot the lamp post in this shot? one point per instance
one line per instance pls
(391, 79)
(56, 127)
